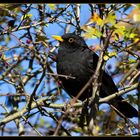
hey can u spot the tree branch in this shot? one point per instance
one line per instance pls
(45, 102)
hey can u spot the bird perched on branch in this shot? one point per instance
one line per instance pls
(75, 59)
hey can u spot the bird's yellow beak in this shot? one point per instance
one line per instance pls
(59, 38)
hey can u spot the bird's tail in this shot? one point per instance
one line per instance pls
(125, 108)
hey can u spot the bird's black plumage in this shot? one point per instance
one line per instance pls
(77, 60)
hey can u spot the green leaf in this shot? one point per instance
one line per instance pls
(46, 25)
(42, 121)
(26, 16)
(7, 39)
(132, 35)
(132, 61)
(119, 31)
(95, 18)
(91, 32)
(77, 129)
(111, 54)
(111, 18)
(52, 6)
(108, 55)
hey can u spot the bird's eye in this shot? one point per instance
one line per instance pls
(71, 40)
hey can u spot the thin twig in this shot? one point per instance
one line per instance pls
(45, 102)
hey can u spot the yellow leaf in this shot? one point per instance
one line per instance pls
(118, 31)
(97, 128)
(132, 61)
(136, 40)
(132, 35)
(97, 19)
(52, 6)
(106, 57)
(91, 32)
(26, 16)
(111, 54)
(111, 18)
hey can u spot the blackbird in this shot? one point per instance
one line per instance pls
(76, 60)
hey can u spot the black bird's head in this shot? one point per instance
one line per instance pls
(71, 40)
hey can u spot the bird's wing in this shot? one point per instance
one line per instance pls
(108, 86)
(92, 60)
